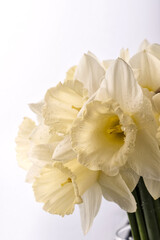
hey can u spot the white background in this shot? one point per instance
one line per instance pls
(39, 41)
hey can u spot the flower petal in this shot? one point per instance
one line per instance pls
(70, 73)
(130, 177)
(150, 70)
(114, 189)
(144, 45)
(60, 186)
(62, 105)
(124, 54)
(153, 187)
(37, 107)
(156, 102)
(23, 143)
(90, 206)
(154, 49)
(50, 188)
(120, 85)
(90, 72)
(97, 148)
(42, 154)
(33, 172)
(42, 135)
(63, 151)
(145, 160)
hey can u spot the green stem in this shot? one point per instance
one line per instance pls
(157, 210)
(134, 226)
(140, 217)
(149, 212)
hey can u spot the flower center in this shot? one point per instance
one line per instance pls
(114, 127)
(69, 180)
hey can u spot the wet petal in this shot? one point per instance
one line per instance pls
(120, 85)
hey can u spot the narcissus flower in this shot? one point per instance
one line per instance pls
(96, 134)
(118, 128)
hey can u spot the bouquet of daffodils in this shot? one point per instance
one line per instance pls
(98, 134)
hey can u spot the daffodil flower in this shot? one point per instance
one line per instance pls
(118, 128)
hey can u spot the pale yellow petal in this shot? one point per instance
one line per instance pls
(144, 45)
(124, 54)
(23, 143)
(90, 206)
(114, 189)
(70, 73)
(145, 160)
(154, 49)
(60, 186)
(130, 177)
(63, 104)
(107, 63)
(37, 107)
(42, 135)
(90, 72)
(32, 173)
(149, 67)
(42, 154)
(63, 151)
(153, 187)
(120, 85)
(103, 137)
(156, 102)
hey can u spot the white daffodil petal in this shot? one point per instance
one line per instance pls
(150, 70)
(154, 49)
(124, 54)
(33, 172)
(63, 151)
(121, 86)
(42, 135)
(145, 160)
(90, 72)
(37, 107)
(114, 189)
(103, 137)
(107, 63)
(42, 154)
(90, 206)
(63, 104)
(144, 45)
(70, 73)
(153, 187)
(23, 143)
(130, 177)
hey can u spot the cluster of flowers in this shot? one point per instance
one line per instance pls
(96, 134)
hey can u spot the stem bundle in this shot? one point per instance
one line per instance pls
(145, 222)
